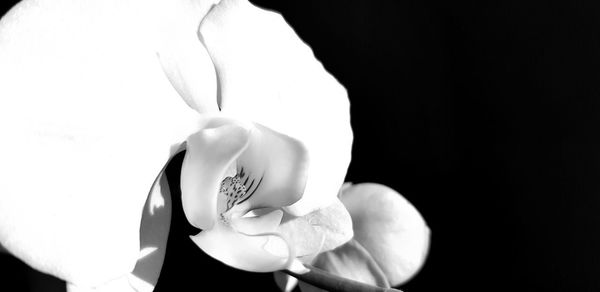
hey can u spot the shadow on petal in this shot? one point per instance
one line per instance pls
(154, 232)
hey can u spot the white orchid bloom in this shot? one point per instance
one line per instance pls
(96, 96)
(292, 157)
(233, 169)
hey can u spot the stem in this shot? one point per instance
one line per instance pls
(334, 283)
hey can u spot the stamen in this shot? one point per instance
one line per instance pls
(233, 189)
(237, 192)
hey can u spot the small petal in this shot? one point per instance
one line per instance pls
(210, 153)
(242, 251)
(268, 75)
(318, 231)
(389, 228)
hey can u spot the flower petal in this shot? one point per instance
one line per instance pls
(389, 228)
(243, 251)
(258, 224)
(268, 75)
(182, 56)
(276, 168)
(318, 231)
(210, 153)
(351, 261)
(88, 118)
(190, 70)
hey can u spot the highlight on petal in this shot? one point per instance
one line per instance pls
(88, 118)
(250, 252)
(389, 228)
(268, 75)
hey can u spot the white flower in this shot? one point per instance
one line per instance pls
(290, 159)
(96, 96)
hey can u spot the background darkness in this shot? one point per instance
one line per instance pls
(484, 114)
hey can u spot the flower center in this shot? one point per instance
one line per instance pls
(234, 190)
(237, 189)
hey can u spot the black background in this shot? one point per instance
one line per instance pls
(484, 114)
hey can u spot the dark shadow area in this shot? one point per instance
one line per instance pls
(18, 277)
